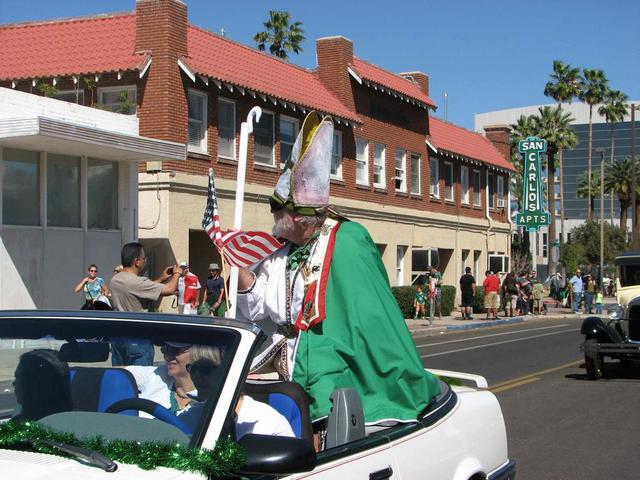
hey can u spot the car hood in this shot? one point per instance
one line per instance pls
(32, 466)
(625, 294)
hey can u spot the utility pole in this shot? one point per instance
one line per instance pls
(600, 150)
(635, 234)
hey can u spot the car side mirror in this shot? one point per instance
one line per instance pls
(266, 454)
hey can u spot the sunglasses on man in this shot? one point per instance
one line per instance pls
(205, 369)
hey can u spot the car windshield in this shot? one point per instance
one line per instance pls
(629, 275)
(120, 378)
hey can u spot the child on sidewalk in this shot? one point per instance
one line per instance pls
(419, 303)
(599, 301)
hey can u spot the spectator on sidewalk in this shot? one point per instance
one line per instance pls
(437, 303)
(538, 297)
(468, 291)
(92, 287)
(419, 302)
(188, 291)
(213, 293)
(491, 286)
(599, 301)
(589, 285)
(131, 292)
(511, 292)
(576, 290)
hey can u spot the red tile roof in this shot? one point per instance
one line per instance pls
(72, 46)
(373, 73)
(220, 58)
(465, 143)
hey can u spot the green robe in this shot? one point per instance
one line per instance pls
(363, 342)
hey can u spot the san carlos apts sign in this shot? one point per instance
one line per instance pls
(533, 214)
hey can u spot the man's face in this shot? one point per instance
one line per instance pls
(201, 372)
(284, 226)
(184, 270)
(141, 261)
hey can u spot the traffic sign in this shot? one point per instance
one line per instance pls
(534, 215)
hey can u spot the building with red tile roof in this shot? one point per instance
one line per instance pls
(188, 85)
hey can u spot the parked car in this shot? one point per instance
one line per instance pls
(617, 336)
(461, 436)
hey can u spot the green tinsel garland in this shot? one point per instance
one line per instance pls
(227, 456)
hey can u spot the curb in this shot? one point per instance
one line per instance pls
(491, 323)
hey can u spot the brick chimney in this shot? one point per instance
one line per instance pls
(419, 78)
(334, 55)
(499, 136)
(161, 29)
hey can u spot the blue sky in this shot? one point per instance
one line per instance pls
(486, 55)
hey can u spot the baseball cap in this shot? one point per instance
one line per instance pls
(214, 266)
(184, 264)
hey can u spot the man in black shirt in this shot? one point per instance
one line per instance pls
(213, 294)
(468, 289)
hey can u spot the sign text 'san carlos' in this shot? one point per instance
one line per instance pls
(533, 214)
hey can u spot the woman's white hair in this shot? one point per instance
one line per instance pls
(206, 352)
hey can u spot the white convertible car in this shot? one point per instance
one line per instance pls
(59, 393)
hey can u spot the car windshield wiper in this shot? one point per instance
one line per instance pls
(86, 454)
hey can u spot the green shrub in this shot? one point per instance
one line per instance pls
(478, 302)
(406, 295)
(448, 299)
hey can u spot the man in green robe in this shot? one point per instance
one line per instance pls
(325, 299)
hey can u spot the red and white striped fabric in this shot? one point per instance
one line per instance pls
(211, 218)
(243, 249)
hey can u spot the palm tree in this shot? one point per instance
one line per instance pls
(563, 87)
(586, 188)
(523, 128)
(618, 181)
(554, 125)
(614, 110)
(281, 36)
(593, 89)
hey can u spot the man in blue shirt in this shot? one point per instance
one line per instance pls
(576, 288)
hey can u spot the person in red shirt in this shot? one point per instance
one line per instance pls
(188, 291)
(491, 286)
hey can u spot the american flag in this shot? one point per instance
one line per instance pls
(211, 219)
(243, 249)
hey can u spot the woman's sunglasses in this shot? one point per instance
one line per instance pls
(169, 350)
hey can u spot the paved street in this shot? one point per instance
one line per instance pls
(559, 425)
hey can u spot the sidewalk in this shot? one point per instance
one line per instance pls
(455, 322)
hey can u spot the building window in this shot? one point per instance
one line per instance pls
(362, 161)
(122, 99)
(476, 183)
(415, 174)
(71, 96)
(463, 264)
(20, 187)
(197, 103)
(434, 180)
(379, 159)
(401, 170)
(336, 156)
(400, 254)
(102, 194)
(263, 140)
(288, 133)
(544, 245)
(226, 128)
(448, 181)
(476, 264)
(464, 183)
(63, 191)
(500, 192)
(491, 185)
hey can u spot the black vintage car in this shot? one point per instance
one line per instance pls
(617, 336)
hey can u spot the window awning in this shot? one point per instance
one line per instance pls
(58, 136)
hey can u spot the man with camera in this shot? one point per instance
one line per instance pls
(132, 292)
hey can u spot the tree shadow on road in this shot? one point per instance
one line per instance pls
(612, 371)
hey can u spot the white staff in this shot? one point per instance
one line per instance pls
(245, 129)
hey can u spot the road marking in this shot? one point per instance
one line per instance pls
(475, 347)
(517, 381)
(514, 384)
(492, 335)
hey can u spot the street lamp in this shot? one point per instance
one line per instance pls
(600, 150)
